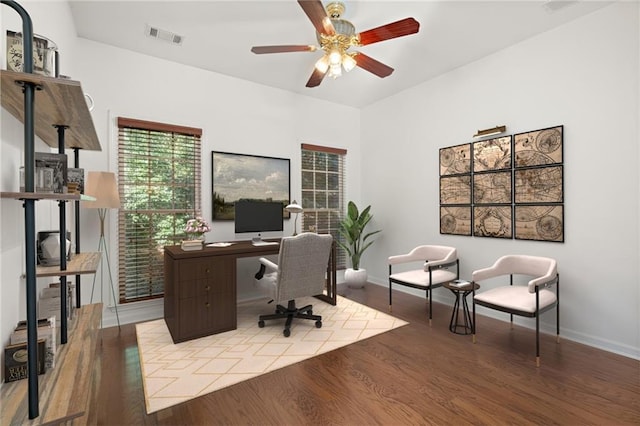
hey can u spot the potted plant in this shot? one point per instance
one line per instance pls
(352, 229)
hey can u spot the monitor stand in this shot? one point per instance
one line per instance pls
(257, 241)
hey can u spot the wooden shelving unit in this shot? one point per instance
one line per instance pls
(56, 111)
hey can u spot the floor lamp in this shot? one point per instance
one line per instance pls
(102, 186)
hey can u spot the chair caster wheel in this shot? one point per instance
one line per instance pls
(261, 324)
(286, 332)
(318, 324)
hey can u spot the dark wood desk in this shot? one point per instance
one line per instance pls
(200, 287)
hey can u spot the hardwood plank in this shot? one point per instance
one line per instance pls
(415, 374)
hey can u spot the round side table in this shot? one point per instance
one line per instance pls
(464, 326)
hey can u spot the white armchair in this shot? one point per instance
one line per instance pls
(435, 260)
(527, 301)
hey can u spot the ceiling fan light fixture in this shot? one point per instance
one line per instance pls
(322, 64)
(335, 71)
(348, 62)
(335, 57)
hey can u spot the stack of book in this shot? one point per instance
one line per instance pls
(15, 354)
(188, 245)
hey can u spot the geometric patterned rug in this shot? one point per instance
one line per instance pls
(175, 373)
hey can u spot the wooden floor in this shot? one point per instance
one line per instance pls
(415, 374)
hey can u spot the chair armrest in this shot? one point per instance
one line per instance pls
(545, 281)
(264, 265)
(443, 263)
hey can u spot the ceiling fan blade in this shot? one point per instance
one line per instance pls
(283, 49)
(399, 28)
(318, 16)
(372, 65)
(316, 78)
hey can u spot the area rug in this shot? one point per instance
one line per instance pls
(175, 373)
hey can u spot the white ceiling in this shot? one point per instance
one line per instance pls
(218, 36)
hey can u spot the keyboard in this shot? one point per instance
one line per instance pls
(264, 243)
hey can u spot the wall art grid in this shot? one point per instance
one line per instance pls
(505, 187)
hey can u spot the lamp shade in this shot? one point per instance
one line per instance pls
(294, 207)
(102, 186)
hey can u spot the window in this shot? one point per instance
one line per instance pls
(323, 192)
(159, 184)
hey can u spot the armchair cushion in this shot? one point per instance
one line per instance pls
(516, 298)
(421, 278)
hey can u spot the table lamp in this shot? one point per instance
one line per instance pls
(102, 186)
(296, 208)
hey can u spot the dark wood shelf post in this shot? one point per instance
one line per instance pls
(29, 208)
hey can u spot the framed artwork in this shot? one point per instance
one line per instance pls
(492, 221)
(492, 154)
(539, 147)
(539, 222)
(455, 220)
(241, 176)
(492, 188)
(539, 185)
(455, 160)
(455, 190)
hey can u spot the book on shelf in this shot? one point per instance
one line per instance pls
(47, 331)
(75, 180)
(58, 164)
(49, 301)
(15, 361)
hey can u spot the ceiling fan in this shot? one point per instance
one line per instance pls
(336, 36)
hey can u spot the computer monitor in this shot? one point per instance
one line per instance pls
(258, 216)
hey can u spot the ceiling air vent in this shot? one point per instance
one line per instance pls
(164, 35)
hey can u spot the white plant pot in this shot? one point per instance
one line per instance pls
(355, 278)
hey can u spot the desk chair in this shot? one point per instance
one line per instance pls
(435, 259)
(300, 272)
(527, 301)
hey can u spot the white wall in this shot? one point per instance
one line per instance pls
(583, 75)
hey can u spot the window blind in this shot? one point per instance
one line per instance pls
(323, 175)
(159, 184)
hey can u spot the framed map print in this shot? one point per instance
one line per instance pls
(492, 221)
(455, 190)
(455, 160)
(539, 147)
(539, 185)
(455, 220)
(492, 154)
(540, 222)
(492, 188)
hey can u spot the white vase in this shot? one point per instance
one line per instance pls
(355, 278)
